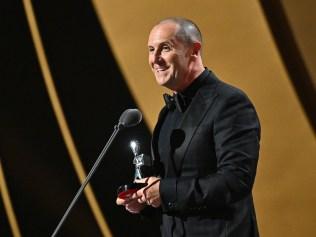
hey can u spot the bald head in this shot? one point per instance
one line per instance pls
(188, 32)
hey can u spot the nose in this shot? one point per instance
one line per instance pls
(156, 57)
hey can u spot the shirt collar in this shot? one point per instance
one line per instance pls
(191, 90)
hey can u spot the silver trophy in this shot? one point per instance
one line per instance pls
(143, 168)
(141, 161)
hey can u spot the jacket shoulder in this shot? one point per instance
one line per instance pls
(226, 91)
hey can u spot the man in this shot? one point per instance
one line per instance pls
(206, 140)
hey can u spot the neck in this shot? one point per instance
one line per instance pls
(193, 73)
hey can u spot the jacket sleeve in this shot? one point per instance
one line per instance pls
(236, 134)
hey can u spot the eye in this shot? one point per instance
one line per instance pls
(151, 49)
(166, 48)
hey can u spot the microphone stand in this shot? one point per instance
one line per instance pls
(117, 129)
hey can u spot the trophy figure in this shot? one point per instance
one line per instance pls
(143, 168)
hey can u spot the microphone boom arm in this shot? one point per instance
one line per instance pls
(117, 129)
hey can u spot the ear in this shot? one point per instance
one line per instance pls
(196, 48)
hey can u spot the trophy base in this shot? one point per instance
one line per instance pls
(127, 190)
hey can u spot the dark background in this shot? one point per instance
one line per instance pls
(264, 47)
(93, 95)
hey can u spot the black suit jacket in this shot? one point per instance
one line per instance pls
(207, 182)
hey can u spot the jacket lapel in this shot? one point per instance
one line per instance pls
(154, 140)
(193, 117)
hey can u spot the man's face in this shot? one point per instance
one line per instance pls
(169, 57)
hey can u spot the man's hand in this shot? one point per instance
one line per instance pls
(131, 204)
(150, 194)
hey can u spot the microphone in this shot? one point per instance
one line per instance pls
(129, 118)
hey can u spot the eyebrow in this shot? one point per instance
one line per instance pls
(163, 42)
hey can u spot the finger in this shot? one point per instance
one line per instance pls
(120, 201)
(142, 199)
(151, 182)
(156, 203)
(136, 195)
(144, 180)
(141, 192)
(125, 201)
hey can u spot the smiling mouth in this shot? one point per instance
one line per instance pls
(160, 69)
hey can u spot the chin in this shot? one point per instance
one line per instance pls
(166, 84)
(161, 81)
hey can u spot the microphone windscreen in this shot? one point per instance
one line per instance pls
(130, 118)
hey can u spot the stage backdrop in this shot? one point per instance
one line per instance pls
(70, 68)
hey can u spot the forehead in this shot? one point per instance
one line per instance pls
(162, 33)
